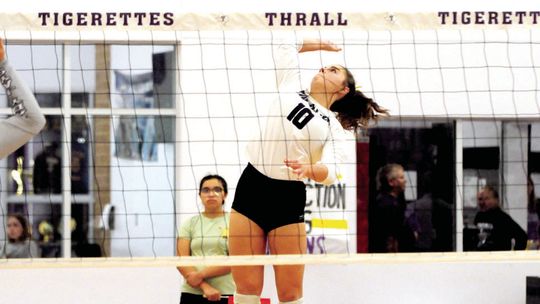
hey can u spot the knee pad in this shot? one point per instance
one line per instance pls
(298, 301)
(246, 299)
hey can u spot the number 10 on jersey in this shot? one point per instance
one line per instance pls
(300, 116)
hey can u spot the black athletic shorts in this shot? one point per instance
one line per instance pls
(270, 203)
(189, 298)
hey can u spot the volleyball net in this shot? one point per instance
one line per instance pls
(137, 116)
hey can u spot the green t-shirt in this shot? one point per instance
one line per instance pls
(208, 236)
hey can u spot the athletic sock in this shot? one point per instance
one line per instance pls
(246, 299)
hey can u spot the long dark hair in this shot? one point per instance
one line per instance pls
(356, 110)
(25, 235)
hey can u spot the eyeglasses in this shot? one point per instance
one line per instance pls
(216, 190)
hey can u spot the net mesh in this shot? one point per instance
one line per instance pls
(135, 121)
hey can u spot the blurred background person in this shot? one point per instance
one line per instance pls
(497, 229)
(19, 243)
(391, 232)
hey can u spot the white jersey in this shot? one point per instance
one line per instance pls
(296, 127)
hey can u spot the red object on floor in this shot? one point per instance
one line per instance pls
(263, 300)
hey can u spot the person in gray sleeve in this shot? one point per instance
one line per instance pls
(27, 119)
(19, 243)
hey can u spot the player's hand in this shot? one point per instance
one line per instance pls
(316, 172)
(210, 293)
(319, 45)
(194, 279)
(327, 45)
(300, 170)
(2, 50)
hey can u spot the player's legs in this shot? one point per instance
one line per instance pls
(246, 238)
(289, 239)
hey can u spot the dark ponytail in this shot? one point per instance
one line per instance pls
(356, 110)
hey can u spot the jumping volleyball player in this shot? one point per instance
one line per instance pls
(27, 120)
(304, 137)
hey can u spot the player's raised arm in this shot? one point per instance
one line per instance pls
(27, 119)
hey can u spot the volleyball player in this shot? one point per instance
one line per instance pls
(27, 120)
(304, 137)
